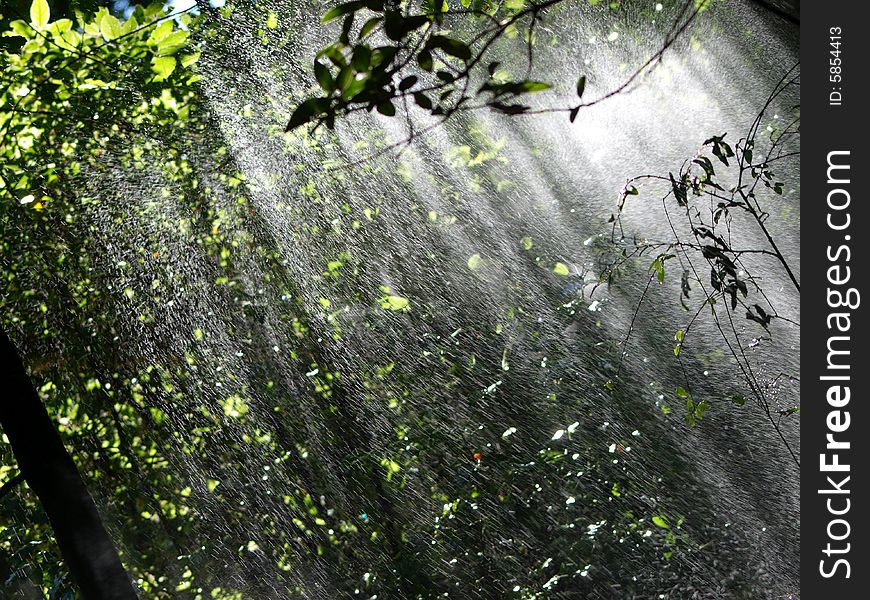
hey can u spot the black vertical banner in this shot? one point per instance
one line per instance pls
(835, 372)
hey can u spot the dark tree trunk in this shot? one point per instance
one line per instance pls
(50, 472)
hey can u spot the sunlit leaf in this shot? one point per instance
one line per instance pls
(394, 303)
(341, 10)
(110, 27)
(172, 43)
(162, 66)
(40, 13)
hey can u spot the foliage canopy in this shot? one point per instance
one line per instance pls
(263, 404)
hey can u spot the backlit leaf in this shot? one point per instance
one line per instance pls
(110, 27)
(394, 303)
(40, 13)
(162, 66)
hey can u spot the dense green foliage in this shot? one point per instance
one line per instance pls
(245, 455)
(66, 101)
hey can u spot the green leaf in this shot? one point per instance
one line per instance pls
(738, 399)
(534, 86)
(160, 32)
(18, 28)
(661, 522)
(362, 58)
(451, 46)
(572, 114)
(369, 26)
(129, 26)
(306, 111)
(407, 83)
(394, 303)
(660, 271)
(189, 59)
(679, 190)
(324, 77)
(40, 13)
(110, 27)
(344, 79)
(170, 44)
(163, 66)
(423, 101)
(682, 393)
(705, 163)
(272, 20)
(581, 86)
(561, 269)
(424, 59)
(386, 108)
(474, 261)
(341, 10)
(383, 56)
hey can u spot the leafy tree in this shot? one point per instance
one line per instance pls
(57, 85)
(243, 452)
(50, 472)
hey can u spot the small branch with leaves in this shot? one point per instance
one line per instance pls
(702, 211)
(391, 56)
